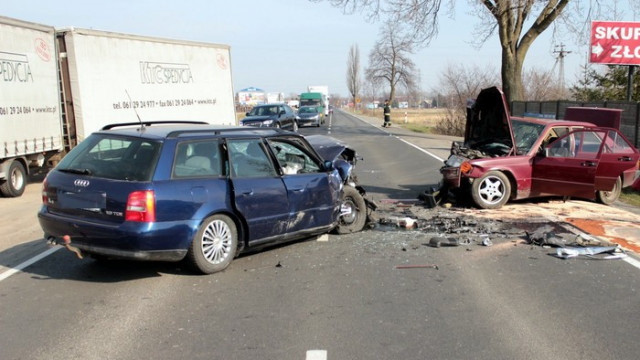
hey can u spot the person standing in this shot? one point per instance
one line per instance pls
(387, 114)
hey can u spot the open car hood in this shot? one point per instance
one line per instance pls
(488, 127)
(330, 148)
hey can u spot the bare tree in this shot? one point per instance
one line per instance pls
(460, 85)
(541, 85)
(354, 82)
(518, 23)
(389, 61)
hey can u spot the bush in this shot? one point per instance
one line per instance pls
(453, 123)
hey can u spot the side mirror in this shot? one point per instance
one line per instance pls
(247, 114)
(328, 165)
(282, 112)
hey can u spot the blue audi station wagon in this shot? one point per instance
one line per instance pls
(170, 191)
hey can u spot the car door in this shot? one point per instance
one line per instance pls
(569, 165)
(618, 159)
(260, 195)
(312, 192)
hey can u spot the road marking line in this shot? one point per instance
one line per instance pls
(404, 141)
(632, 261)
(421, 149)
(316, 355)
(31, 261)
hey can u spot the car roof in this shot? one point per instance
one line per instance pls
(553, 122)
(167, 129)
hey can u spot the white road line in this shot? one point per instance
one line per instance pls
(421, 149)
(316, 355)
(632, 261)
(31, 261)
(401, 139)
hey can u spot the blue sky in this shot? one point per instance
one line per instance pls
(285, 45)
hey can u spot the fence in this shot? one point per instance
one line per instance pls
(629, 123)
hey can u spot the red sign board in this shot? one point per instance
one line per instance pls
(615, 42)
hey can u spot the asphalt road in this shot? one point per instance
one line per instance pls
(340, 297)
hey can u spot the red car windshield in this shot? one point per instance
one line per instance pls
(526, 134)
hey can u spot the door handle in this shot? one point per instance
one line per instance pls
(248, 192)
(624, 158)
(588, 163)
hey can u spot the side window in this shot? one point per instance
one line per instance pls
(616, 144)
(193, 159)
(292, 159)
(588, 144)
(562, 147)
(249, 159)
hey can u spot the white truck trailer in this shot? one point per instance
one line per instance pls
(30, 127)
(61, 85)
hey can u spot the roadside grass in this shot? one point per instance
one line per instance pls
(630, 197)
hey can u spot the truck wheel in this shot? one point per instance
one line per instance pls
(609, 197)
(214, 246)
(353, 212)
(491, 191)
(16, 180)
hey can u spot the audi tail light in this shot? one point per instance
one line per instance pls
(45, 195)
(141, 206)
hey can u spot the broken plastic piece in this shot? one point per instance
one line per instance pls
(486, 241)
(614, 251)
(407, 222)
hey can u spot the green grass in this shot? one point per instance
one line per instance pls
(630, 196)
(418, 128)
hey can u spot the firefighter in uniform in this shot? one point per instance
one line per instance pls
(387, 114)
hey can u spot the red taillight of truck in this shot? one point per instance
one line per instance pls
(141, 206)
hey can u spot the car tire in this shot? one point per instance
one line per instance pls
(16, 180)
(214, 246)
(609, 197)
(491, 191)
(355, 209)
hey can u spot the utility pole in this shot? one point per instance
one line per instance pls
(559, 49)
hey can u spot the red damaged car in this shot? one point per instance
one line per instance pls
(507, 158)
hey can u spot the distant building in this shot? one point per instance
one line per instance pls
(275, 98)
(251, 96)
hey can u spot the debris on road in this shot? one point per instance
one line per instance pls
(614, 252)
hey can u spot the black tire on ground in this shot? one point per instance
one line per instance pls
(16, 180)
(214, 246)
(609, 197)
(491, 191)
(353, 210)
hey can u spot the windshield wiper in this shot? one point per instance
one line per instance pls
(77, 171)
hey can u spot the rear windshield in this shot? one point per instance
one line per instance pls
(113, 157)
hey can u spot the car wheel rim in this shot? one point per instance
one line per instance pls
(491, 190)
(348, 211)
(216, 242)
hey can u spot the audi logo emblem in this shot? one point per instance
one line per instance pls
(81, 183)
